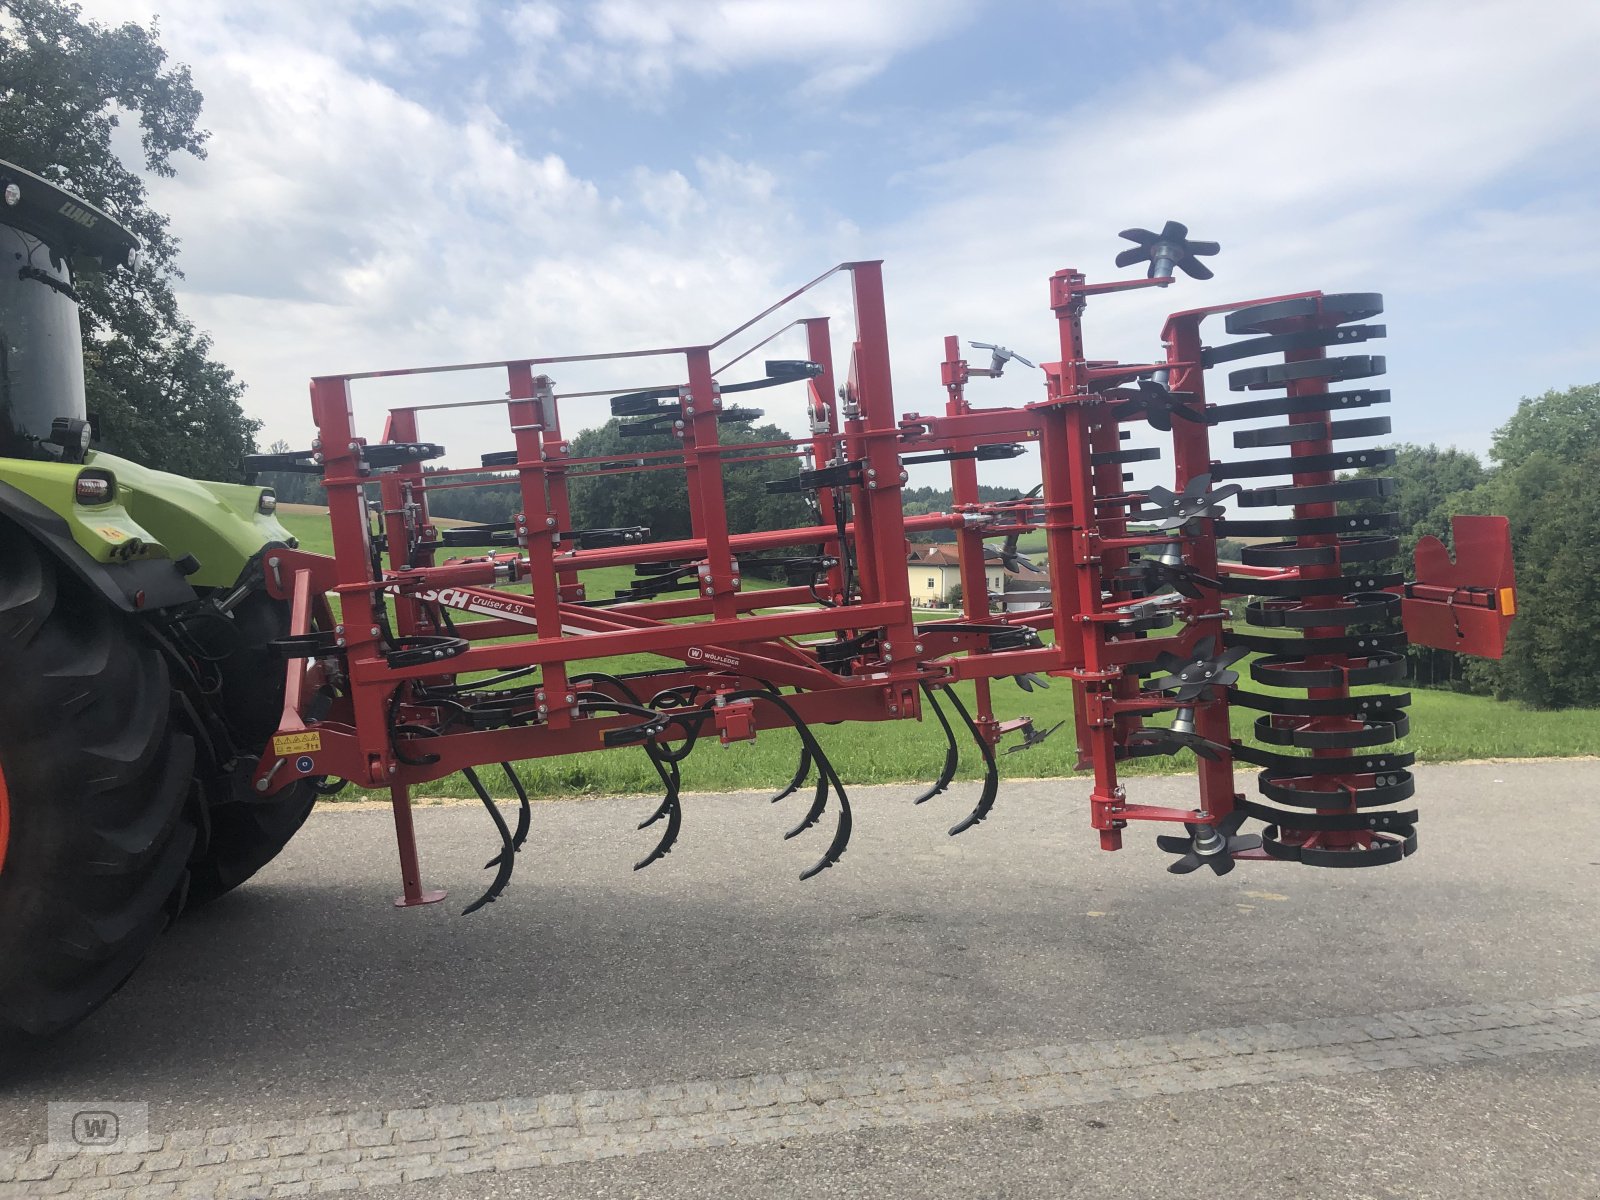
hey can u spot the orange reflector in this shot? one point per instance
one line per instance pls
(1508, 602)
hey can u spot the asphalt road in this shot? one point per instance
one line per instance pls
(306, 994)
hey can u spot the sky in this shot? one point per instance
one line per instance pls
(397, 183)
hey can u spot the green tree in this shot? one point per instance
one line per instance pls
(1547, 461)
(65, 83)
(1563, 425)
(659, 500)
(1430, 479)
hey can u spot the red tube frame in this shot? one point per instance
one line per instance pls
(1083, 510)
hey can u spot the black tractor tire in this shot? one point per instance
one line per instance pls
(96, 779)
(246, 832)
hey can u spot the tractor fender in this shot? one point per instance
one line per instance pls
(135, 586)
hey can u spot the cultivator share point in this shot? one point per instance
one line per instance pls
(453, 648)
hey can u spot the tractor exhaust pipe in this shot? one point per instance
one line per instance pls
(42, 230)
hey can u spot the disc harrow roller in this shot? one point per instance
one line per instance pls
(1332, 608)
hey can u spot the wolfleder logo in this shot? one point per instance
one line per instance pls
(97, 1127)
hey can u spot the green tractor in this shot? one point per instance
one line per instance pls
(136, 682)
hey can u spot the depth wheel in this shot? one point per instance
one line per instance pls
(95, 780)
(247, 833)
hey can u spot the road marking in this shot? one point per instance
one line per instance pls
(374, 1149)
(1265, 895)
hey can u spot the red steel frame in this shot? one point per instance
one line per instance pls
(1084, 509)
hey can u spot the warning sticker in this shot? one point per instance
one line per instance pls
(111, 533)
(286, 744)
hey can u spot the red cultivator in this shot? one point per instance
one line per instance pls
(435, 661)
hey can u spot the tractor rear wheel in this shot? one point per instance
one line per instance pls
(247, 833)
(95, 783)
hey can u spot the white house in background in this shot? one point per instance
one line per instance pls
(935, 570)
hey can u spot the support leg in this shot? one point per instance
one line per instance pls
(410, 870)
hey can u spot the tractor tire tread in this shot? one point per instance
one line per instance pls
(100, 778)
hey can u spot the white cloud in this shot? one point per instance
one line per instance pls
(832, 45)
(1366, 152)
(339, 225)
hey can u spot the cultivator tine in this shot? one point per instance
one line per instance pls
(819, 801)
(800, 774)
(506, 860)
(952, 755)
(803, 770)
(827, 778)
(841, 837)
(671, 779)
(991, 769)
(524, 816)
(846, 823)
(670, 807)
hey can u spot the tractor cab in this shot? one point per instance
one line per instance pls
(43, 229)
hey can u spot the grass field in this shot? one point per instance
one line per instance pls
(1446, 726)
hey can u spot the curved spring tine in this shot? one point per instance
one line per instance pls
(508, 855)
(670, 779)
(800, 773)
(671, 806)
(991, 769)
(841, 833)
(810, 752)
(524, 815)
(690, 723)
(952, 756)
(825, 775)
(627, 694)
(673, 811)
(819, 802)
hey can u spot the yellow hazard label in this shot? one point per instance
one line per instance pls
(111, 533)
(286, 744)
